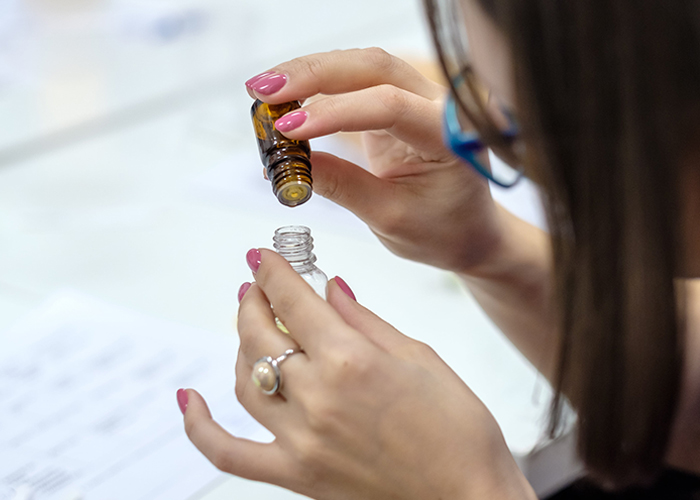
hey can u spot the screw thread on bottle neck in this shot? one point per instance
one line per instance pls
(291, 180)
(295, 244)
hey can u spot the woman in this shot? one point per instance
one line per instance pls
(605, 96)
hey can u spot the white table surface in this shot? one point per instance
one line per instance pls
(105, 137)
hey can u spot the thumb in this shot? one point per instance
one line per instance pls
(351, 186)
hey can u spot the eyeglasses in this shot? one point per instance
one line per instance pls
(471, 103)
(468, 144)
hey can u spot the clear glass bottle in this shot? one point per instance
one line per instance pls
(295, 244)
(287, 162)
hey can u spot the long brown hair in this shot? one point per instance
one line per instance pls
(607, 99)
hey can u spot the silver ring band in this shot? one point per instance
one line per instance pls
(285, 355)
(266, 372)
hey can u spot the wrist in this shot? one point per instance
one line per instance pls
(515, 289)
(487, 471)
(520, 251)
(501, 481)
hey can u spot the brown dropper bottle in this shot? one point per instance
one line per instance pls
(286, 161)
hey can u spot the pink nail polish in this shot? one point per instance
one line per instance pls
(291, 121)
(182, 400)
(242, 290)
(344, 287)
(256, 78)
(269, 84)
(253, 258)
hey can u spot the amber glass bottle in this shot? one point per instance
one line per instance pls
(286, 161)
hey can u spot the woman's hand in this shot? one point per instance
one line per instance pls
(363, 412)
(422, 202)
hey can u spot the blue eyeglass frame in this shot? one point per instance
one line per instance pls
(467, 145)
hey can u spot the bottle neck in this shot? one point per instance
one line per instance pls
(285, 152)
(296, 245)
(304, 268)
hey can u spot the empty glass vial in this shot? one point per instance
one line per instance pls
(286, 161)
(295, 244)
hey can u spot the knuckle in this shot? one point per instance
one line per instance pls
(331, 187)
(222, 460)
(311, 66)
(347, 366)
(393, 99)
(333, 110)
(379, 58)
(416, 350)
(286, 303)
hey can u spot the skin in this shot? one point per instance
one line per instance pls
(356, 415)
(356, 408)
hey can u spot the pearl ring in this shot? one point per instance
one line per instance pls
(266, 372)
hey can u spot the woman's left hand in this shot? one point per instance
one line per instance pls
(364, 412)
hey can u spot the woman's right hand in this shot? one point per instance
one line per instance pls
(422, 202)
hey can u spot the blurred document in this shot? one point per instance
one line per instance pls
(89, 408)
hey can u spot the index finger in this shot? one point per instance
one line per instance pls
(311, 321)
(339, 72)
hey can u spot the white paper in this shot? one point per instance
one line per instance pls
(89, 407)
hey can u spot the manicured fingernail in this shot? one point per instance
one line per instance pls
(242, 290)
(291, 121)
(269, 84)
(182, 400)
(345, 288)
(256, 78)
(253, 258)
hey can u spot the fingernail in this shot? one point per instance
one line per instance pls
(253, 258)
(345, 288)
(269, 84)
(182, 400)
(242, 290)
(291, 121)
(256, 78)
